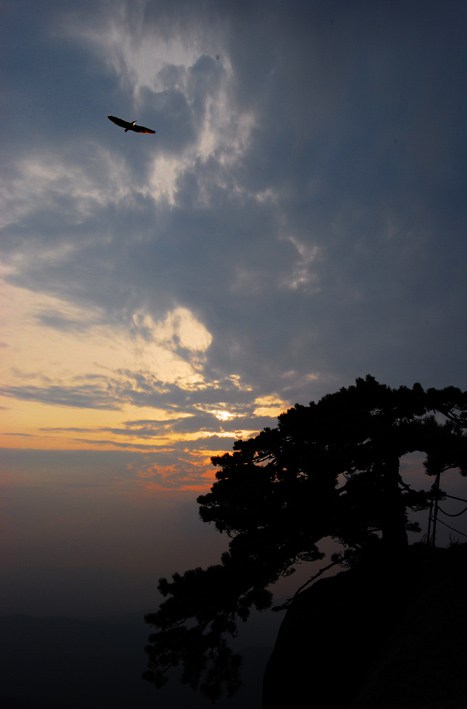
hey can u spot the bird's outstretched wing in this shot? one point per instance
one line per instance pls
(141, 129)
(129, 126)
(119, 122)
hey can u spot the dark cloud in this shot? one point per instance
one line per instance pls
(331, 240)
(58, 321)
(85, 396)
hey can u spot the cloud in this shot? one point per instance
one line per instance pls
(296, 221)
(84, 396)
(269, 406)
(146, 355)
(149, 378)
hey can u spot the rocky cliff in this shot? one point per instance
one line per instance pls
(391, 637)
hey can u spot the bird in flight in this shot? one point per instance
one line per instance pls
(129, 125)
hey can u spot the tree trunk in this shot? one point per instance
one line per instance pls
(393, 512)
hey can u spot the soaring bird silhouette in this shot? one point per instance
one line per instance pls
(129, 125)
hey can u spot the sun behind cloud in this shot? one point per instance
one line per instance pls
(71, 380)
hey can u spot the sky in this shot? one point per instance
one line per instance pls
(297, 221)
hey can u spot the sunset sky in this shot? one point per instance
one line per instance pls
(298, 220)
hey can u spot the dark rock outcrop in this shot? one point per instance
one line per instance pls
(391, 637)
